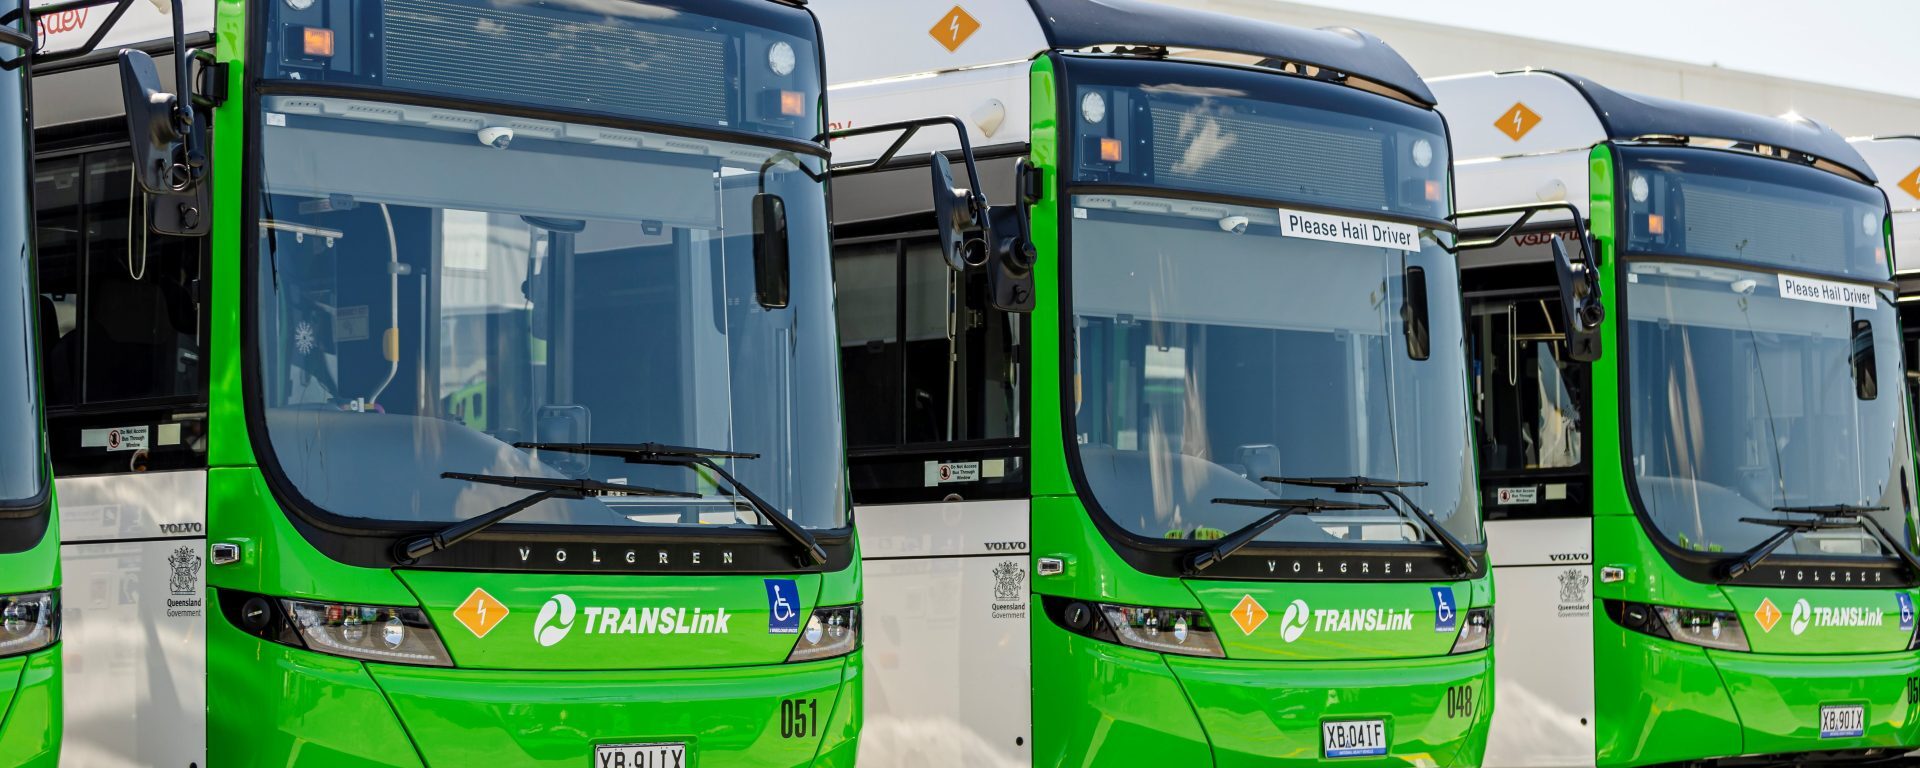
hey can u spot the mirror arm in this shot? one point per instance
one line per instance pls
(976, 199)
(1526, 212)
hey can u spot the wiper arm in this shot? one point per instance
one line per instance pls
(684, 456)
(1831, 517)
(1282, 509)
(1387, 490)
(408, 551)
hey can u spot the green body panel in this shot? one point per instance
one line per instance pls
(1346, 622)
(1659, 701)
(634, 642)
(1267, 713)
(727, 717)
(1097, 703)
(1837, 620)
(30, 703)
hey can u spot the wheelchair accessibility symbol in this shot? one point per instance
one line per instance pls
(1445, 616)
(783, 607)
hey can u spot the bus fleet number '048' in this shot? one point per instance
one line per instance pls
(1459, 701)
(799, 718)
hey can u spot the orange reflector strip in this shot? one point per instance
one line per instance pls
(1433, 190)
(317, 41)
(793, 103)
(1656, 224)
(1110, 150)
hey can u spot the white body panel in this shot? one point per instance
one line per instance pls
(878, 39)
(987, 98)
(1476, 104)
(144, 22)
(1896, 160)
(133, 557)
(1542, 571)
(948, 645)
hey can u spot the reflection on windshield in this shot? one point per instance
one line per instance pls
(21, 468)
(1744, 400)
(429, 300)
(1207, 360)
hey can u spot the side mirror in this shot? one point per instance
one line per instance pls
(1414, 315)
(1866, 371)
(953, 213)
(153, 125)
(1580, 303)
(771, 279)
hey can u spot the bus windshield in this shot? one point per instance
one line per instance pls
(22, 474)
(1208, 360)
(428, 300)
(1763, 353)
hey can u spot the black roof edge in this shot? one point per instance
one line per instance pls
(1077, 24)
(1627, 116)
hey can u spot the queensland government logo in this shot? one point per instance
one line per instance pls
(1574, 600)
(1009, 581)
(186, 571)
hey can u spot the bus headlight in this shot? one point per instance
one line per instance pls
(390, 634)
(829, 632)
(29, 622)
(1182, 631)
(1476, 632)
(1693, 626)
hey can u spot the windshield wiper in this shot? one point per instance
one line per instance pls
(1388, 490)
(408, 551)
(1282, 509)
(683, 456)
(1830, 517)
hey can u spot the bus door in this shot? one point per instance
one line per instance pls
(123, 319)
(935, 407)
(1530, 404)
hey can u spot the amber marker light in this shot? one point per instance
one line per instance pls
(317, 42)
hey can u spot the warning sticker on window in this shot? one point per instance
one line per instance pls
(953, 472)
(1827, 292)
(116, 439)
(1529, 494)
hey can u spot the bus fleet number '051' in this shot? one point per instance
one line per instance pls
(799, 718)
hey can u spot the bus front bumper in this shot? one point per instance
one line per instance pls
(781, 715)
(1778, 699)
(30, 710)
(1259, 713)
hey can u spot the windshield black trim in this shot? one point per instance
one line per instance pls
(1161, 557)
(368, 542)
(514, 109)
(1782, 570)
(1142, 190)
(1643, 257)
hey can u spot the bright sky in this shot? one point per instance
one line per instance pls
(1866, 44)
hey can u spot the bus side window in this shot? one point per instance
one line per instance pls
(1529, 408)
(931, 374)
(122, 325)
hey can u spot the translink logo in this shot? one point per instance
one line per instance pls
(555, 621)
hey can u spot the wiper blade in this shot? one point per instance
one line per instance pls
(409, 551)
(1212, 554)
(684, 456)
(639, 453)
(1830, 517)
(1388, 490)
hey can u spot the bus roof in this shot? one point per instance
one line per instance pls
(1613, 116)
(1077, 24)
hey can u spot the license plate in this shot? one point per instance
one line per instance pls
(659, 755)
(1353, 738)
(1843, 722)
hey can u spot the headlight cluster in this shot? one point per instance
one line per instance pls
(384, 633)
(1476, 631)
(1707, 629)
(829, 632)
(29, 622)
(1183, 631)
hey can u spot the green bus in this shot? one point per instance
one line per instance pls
(29, 534)
(1168, 461)
(446, 382)
(1695, 446)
